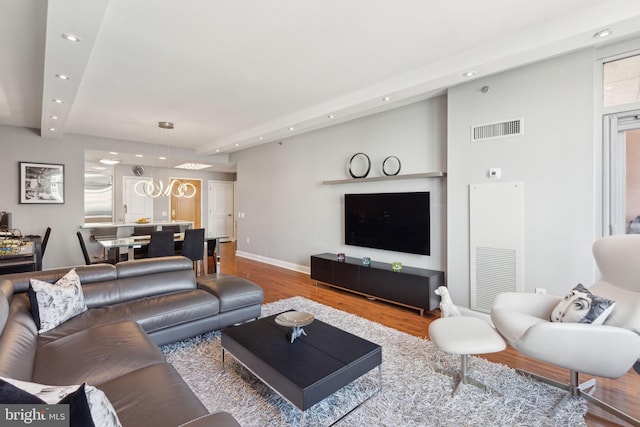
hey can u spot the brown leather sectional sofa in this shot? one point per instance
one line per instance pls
(132, 307)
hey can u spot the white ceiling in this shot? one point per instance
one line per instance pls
(237, 73)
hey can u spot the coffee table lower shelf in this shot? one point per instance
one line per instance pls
(308, 370)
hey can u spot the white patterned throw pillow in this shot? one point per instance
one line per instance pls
(581, 306)
(54, 304)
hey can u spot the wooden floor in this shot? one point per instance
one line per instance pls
(279, 283)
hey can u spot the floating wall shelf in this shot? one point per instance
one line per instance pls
(386, 178)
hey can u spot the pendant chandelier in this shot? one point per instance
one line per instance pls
(154, 188)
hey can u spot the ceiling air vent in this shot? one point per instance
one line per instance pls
(497, 130)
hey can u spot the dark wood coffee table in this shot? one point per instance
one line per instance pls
(308, 370)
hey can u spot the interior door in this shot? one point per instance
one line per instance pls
(134, 205)
(188, 209)
(221, 209)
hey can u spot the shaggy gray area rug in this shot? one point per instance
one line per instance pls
(412, 394)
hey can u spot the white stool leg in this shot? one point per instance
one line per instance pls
(462, 376)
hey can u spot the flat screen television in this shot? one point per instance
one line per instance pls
(391, 221)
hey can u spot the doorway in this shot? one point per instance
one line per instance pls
(188, 208)
(622, 173)
(221, 209)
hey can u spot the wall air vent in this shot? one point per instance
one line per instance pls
(496, 130)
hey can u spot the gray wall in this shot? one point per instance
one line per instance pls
(290, 215)
(25, 145)
(554, 159)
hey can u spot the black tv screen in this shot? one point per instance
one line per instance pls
(392, 221)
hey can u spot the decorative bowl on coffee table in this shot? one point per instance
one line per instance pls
(295, 320)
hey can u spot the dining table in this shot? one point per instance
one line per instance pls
(114, 246)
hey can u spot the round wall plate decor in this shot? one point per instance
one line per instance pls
(391, 166)
(359, 165)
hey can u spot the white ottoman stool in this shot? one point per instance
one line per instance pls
(464, 336)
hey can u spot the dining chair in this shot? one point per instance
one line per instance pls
(177, 244)
(45, 240)
(171, 227)
(193, 247)
(143, 231)
(87, 258)
(161, 244)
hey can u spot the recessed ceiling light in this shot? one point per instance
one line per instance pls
(193, 166)
(52, 129)
(162, 158)
(291, 128)
(165, 125)
(113, 153)
(217, 150)
(469, 74)
(109, 161)
(386, 98)
(62, 76)
(602, 34)
(70, 37)
(237, 145)
(139, 155)
(58, 101)
(331, 116)
(54, 117)
(261, 138)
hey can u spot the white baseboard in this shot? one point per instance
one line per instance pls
(276, 262)
(307, 270)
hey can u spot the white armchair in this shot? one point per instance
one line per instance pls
(608, 350)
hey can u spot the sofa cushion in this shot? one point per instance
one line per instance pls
(234, 292)
(88, 274)
(172, 309)
(154, 276)
(95, 355)
(89, 319)
(54, 304)
(153, 396)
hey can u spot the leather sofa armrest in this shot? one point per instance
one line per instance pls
(232, 291)
(218, 419)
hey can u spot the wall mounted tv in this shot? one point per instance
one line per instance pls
(392, 221)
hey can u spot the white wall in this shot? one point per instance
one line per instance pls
(554, 159)
(290, 215)
(19, 144)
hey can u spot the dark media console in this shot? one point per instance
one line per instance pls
(410, 287)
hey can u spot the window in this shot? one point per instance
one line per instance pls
(621, 81)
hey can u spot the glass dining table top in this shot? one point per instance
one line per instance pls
(138, 241)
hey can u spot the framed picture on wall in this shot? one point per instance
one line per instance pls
(41, 183)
